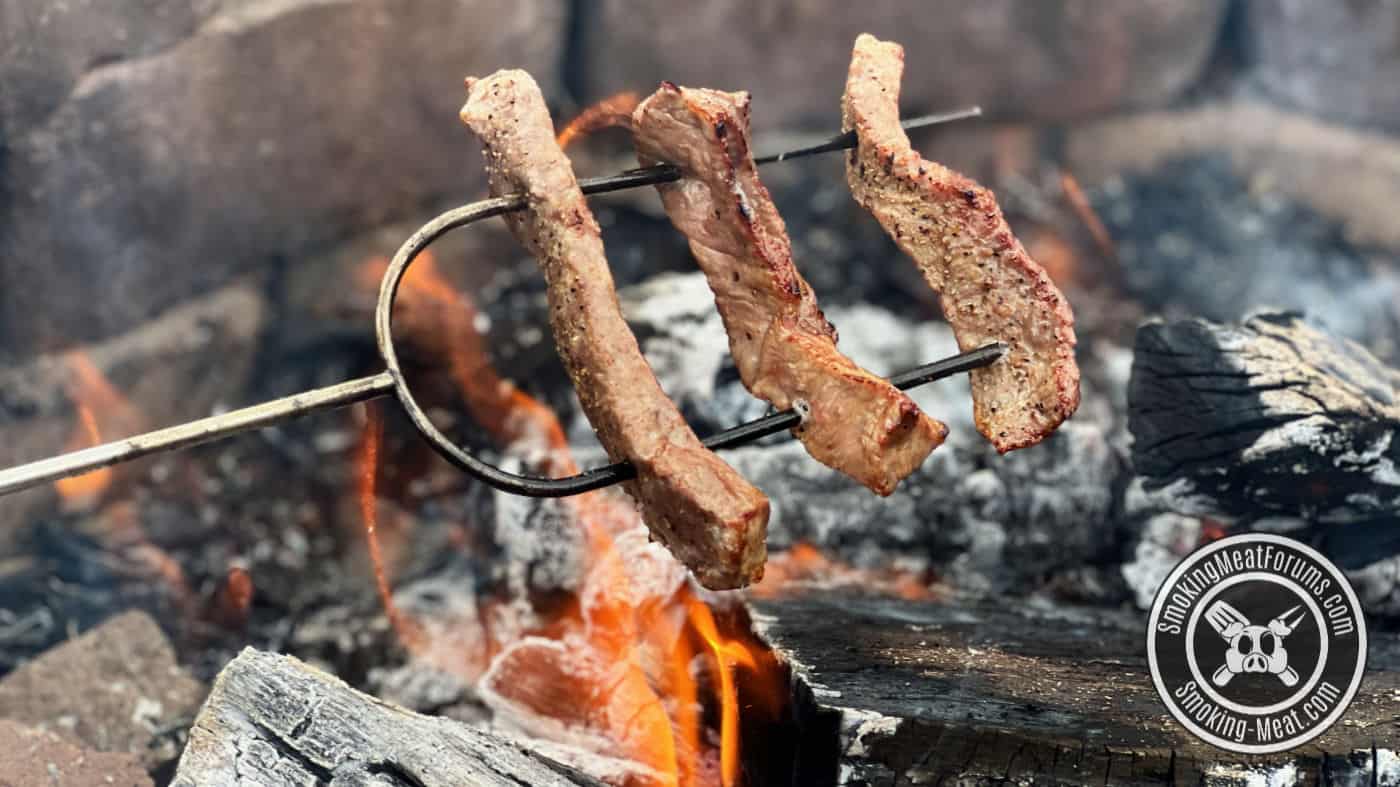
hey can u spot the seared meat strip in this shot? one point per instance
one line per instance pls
(783, 346)
(991, 290)
(713, 520)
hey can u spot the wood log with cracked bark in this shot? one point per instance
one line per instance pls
(272, 719)
(1273, 421)
(891, 691)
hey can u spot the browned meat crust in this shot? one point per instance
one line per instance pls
(783, 346)
(991, 290)
(707, 515)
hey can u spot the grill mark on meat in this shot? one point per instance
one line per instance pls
(990, 288)
(783, 346)
(696, 505)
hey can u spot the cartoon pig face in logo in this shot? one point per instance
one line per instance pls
(1252, 648)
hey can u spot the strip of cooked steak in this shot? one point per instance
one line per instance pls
(990, 289)
(783, 346)
(707, 515)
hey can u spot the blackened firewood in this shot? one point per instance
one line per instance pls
(273, 720)
(1273, 419)
(890, 692)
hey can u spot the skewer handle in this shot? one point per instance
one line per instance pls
(193, 433)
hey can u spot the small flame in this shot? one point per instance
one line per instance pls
(1079, 202)
(80, 491)
(368, 471)
(444, 323)
(726, 654)
(96, 401)
(685, 711)
(806, 565)
(615, 110)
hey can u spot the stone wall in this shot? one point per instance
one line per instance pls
(155, 150)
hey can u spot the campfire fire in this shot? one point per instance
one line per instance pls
(637, 664)
(335, 603)
(633, 665)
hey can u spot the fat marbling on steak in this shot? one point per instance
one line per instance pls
(990, 289)
(782, 344)
(713, 520)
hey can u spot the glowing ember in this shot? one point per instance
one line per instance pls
(233, 603)
(1212, 530)
(612, 111)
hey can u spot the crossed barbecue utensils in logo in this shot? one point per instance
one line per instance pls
(1252, 648)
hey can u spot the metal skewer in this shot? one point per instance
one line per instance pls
(391, 380)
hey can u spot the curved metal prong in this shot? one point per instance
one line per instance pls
(534, 486)
(74, 463)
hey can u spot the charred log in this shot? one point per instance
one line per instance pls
(891, 692)
(1271, 421)
(274, 720)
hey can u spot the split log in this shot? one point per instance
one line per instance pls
(890, 691)
(272, 719)
(1273, 420)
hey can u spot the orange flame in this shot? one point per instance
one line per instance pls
(92, 395)
(79, 490)
(443, 322)
(615, 110)
(368, 467)
(685, 712)
(726, 654)
(1079, 203)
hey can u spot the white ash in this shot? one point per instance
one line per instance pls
(540, 543)
(1166, 539)
(857, 725)
(1285, 775)
(417, 686)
